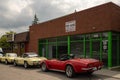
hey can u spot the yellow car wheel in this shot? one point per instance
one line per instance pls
(14, 63)
(6, 62)
(26, 65)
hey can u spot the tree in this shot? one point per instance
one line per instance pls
(4, 40)
(35, 20)
(11, 32)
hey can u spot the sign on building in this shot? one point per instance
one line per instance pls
(10, 37)
(70, 26)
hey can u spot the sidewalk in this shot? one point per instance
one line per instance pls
(107, 72)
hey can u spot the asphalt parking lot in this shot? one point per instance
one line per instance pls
(10, 72)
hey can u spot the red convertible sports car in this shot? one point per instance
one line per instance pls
(71, 65)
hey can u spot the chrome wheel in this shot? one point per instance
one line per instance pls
(25, 65)
(44, 67)
(69, 71)
(6, 62)
(15, 64)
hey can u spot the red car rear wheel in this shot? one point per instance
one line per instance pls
(44, 67)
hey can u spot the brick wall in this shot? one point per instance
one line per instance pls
(105, 17)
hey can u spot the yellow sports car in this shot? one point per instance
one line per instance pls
(8, 58)
(29, 59)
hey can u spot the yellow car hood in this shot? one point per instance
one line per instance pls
(37, 58)
(11, 57)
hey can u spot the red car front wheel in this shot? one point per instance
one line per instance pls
(69, 71)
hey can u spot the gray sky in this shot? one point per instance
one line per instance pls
(17, 15)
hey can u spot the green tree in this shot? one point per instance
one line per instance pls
(10, 32)
(3, 42)
(35, 20)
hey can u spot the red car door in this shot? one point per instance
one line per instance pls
(59, 65)
(52, 64)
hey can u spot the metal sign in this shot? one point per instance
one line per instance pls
(70, 26)
(10, 37)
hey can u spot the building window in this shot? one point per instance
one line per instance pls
(104, 35)
(43, 49)
(77, 49)
(77, 37)
(105, 52)
(114, 53)
(96, 49)
(15, 46)
(22, 45)
(62, 39)
(87, 36)
(95, 35)
(115, 49)
(87, 48)
(43, 40)
(52, 40)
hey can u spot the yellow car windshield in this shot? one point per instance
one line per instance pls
(12, 55)
(32, 55)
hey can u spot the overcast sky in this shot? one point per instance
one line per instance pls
(17, 15)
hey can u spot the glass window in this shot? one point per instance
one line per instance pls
(62, 48)
(43, 41)
(77, 49)
(114, 36)
(96, 49)
(105, 52)
(22, 45)
(105, 35)
(87, 36)
(115, 49)
(95, 35)
(52, 40)
(87, 49)
(77, 37)
(44, 50)
(114, 53)
(61, 39)
(52, 51)
(15, 46)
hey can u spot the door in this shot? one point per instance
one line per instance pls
(57, 64)
(96, 49)
(20, 60)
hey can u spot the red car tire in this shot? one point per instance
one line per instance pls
(44, 67)
(69, 71)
